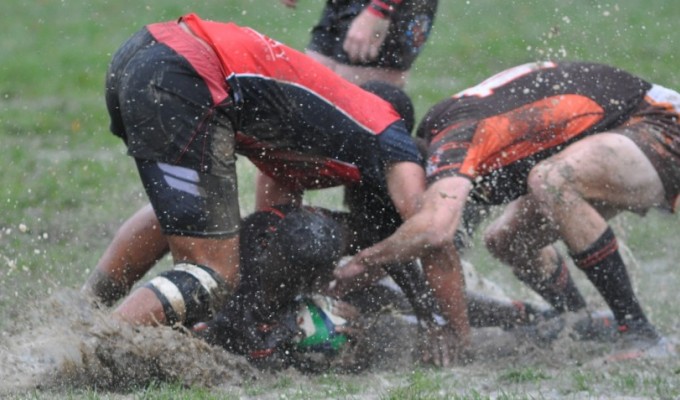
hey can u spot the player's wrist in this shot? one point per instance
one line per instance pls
(378, 12)
(367, 259)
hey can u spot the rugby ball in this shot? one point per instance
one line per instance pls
(318, 322)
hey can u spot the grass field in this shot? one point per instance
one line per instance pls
(66, 184)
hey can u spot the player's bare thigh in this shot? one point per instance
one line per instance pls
(609, 171)
(358, 74)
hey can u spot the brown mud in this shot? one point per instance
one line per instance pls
(64, 343)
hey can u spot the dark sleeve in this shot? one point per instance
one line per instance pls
(397, 145)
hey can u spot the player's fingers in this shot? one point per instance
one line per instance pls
(426, 355)
(445, 353)
(348, 330)
(199, 327)
(356, 53)
(357, 49)
(348, 270)
(346, 310)
(373, 51)
(365, 52)
(437, 351)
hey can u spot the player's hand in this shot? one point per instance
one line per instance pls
(439, 346)
(289, 3)
(365, 36)
(349, 269)
(349, 313)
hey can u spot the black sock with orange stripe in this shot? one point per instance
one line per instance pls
(558, 290)
(604, 267)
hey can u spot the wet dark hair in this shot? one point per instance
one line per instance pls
(395, 96)
(284, 250)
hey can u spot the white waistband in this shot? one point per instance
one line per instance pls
(661, 94)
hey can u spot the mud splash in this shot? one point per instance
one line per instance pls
(63, 342)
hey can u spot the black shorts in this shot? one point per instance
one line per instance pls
(657, 133)
(163, 109)
(189, 203)
(409, 30)
(183, 143)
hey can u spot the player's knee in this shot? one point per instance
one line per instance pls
(496, 239)
(548, 181)
(503, 244)
(189, 293)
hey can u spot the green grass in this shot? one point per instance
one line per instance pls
(66, 184)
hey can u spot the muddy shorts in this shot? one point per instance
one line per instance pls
(655, 129)
(409, 30)
(189, 203)
(182, 141)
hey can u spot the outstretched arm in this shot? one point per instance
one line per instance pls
(428, 235)
(432, 227)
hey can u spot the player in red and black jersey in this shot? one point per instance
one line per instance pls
(566, 146)
(184, 95)
(365, 40)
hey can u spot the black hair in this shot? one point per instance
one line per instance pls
(395, 96)
(284, 251)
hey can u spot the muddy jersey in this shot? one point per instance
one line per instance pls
(292, 116)
(495, 132)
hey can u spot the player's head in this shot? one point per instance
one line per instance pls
(310, 239)
(286, 248)
(395, 96)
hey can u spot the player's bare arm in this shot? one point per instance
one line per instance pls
(431, 228)
(428, 235)
(406, 185)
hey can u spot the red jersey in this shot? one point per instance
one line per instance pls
(295, 118)
(247, 54)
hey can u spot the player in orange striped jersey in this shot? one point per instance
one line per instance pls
(567, 146)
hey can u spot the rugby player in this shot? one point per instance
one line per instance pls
(181, 94)
(566, 146)
(364, 40)
(288, 253)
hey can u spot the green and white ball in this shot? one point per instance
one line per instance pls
(318, 325)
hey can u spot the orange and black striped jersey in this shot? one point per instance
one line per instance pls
(495, 132)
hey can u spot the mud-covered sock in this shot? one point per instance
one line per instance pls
(485, 311)
(604, 267)
(104, 289)
(559, 290)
